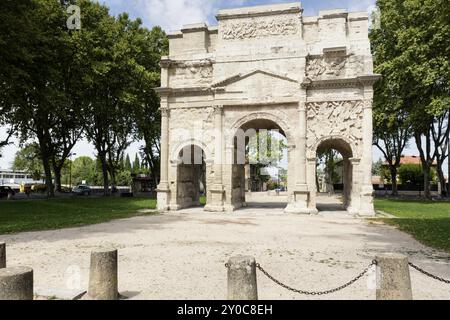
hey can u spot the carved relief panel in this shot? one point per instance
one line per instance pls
(335, 119)
(260, 27)
(334, 66)
(191, 74)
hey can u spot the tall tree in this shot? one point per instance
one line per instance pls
(28, 159)
(153, 44)
(127, 164)
(17, 32)
(414, 50)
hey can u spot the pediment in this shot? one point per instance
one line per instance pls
(242, 76)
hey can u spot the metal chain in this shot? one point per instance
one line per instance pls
(320, 293)
(429, 274)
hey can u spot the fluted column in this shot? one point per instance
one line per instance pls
(218, 150)
(217, 191)
(366, 204)
(301, 144)
(163, 187)
(164, 146)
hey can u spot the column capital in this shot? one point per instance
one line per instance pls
(165, 112)
(368, 103)
(218, 109)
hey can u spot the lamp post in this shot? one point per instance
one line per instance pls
(70, 170)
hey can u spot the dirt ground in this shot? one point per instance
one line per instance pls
(182, 255)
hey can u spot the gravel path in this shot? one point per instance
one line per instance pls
(182, 255)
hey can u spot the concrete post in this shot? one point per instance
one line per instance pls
(394, 281)
(16, 283)
(2, 255)
(242, 278)
(103, 279)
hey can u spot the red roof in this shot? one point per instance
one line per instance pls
(412, 160)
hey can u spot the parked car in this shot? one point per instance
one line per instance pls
(40, 187)
(6, 192)
(82, 191)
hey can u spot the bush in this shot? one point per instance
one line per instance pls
(413, 174)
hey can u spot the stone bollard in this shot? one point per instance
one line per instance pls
(394, 282)
(16, 283)
(242, 278)
(103, 279)
(2, 255)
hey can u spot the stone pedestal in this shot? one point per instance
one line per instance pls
(103, 278)
(216, 204)
(242, 278)
(394, 281)
(163, 197)
(16, 283)
(299, 202)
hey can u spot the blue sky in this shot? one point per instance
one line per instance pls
(172, 14)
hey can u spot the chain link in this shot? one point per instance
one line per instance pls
(428, 274)
(317, 293)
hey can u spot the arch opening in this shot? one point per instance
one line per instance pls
(191, 177)
(260, 165)
(334, 175)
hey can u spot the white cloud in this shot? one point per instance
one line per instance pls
(173, 14)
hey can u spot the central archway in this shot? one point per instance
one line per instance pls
(257, 160)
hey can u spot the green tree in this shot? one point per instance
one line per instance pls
(127, 165)
(28, 159)
(16, 36)
(264, 149)
(412, 52)
(136, 164)
(412, 174)
(377, 168)
(153, 44)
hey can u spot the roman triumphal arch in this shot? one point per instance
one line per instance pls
(270, 67)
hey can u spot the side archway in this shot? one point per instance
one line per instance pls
(346, 171)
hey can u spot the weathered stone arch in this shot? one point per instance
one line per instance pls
(286, 130)
(174, 159)
(314, 84)
(348, 150)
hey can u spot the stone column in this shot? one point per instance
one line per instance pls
(301, 145)
(300, 198)
(218, 147)
(217, 190)
(163, 188)
(367, 207)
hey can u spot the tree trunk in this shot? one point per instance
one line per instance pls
(45, 155)
(58, 185)
(48, 177)
(426, 182)
(113, 180)
(441, 177)
(102, 157)
(393, 170)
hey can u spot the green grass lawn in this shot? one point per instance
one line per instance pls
(428, 222)
(34, 215)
